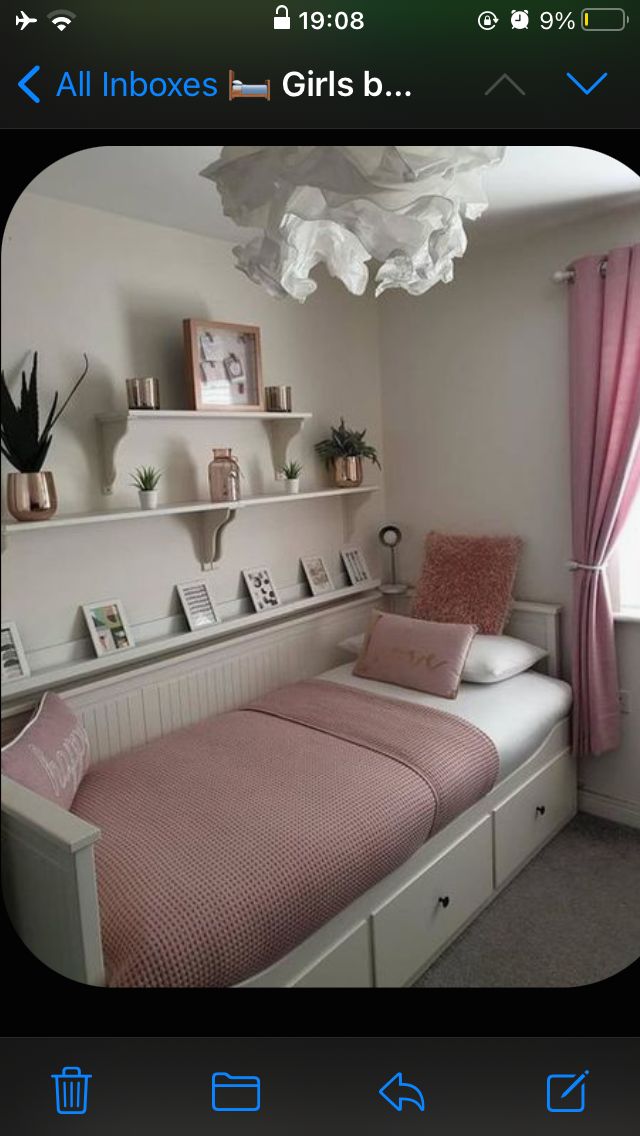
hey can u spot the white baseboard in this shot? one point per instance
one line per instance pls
(611, 808)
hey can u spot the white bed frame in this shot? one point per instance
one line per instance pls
(387, 936)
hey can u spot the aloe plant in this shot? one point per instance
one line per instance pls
(292, 470)
(23, 444)
(146, 477)
(346, 443)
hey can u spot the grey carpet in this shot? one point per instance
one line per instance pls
(571, 917)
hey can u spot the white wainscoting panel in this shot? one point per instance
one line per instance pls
(120, 713)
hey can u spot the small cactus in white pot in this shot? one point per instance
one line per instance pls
(292, 471)
(145, 479)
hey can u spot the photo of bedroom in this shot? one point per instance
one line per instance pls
(386, 732)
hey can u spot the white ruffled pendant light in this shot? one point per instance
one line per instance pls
(402, 206)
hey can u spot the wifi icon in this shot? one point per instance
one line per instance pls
(61, 18)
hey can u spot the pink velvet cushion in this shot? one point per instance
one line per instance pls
(468, 579)
(414, 653)
(51, 754)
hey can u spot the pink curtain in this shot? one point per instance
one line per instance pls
(605, 474)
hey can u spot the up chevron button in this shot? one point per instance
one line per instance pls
(504, 78)
(587, 90)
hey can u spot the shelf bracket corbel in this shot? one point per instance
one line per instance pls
(282, 431)
(213, 526)
(351, 505)
(111, 431)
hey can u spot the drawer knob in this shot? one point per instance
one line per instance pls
(444, 900)
(541, 810)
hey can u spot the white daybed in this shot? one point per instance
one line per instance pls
(388, 935)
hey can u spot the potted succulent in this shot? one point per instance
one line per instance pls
(343, 453)
(31, 492)
(145, 479)
(292, 471)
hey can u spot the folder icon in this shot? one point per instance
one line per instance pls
(235, 1093)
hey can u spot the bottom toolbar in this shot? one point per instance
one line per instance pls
(365, 1084)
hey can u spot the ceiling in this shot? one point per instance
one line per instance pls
(534, 184)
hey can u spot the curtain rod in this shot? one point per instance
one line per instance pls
(568, 275)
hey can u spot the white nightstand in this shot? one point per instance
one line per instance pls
(394, 595)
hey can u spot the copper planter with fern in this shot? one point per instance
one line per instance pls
(347, 472)
(344, 452)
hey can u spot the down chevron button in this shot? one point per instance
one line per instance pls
(587, 90)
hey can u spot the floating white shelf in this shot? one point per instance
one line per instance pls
(215, 515)
(89, 668)
(149, 415)
(112, 428)
(61, 521)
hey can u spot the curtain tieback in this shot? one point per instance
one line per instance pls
(574, 565)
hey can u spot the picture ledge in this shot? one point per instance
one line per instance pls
(87, 668)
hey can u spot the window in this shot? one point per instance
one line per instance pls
(624, 575)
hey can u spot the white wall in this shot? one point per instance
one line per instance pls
(475, 410)
(79, 279)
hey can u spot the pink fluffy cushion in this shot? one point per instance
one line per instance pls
(468, 579)
(51, 754)
(416, 654)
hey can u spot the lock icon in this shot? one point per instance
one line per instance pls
(282, 23)
(486, 22)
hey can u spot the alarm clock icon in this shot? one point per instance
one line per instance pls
(519, 19)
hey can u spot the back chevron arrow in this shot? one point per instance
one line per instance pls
(23, 84)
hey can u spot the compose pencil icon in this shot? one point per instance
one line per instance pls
(566, 1092)
(574, 1084)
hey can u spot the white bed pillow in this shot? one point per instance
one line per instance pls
(352, 645)
(491, 658)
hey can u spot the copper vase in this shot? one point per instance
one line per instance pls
(31, 496)
(347, 472)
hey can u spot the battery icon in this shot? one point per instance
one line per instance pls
(604, 19)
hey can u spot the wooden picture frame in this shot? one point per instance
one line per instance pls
(317, 575)
(14, 663)
(223, 365)
(261, 588)
(108, 626)
(197, 604)
(355, 565)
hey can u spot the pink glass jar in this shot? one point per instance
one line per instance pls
(224, 476)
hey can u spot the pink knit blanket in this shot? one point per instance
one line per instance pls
(226, 844)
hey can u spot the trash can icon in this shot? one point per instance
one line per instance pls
(72, 1088)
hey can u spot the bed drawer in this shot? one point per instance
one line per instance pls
(347, 964)
(410, 928)
(532, 814)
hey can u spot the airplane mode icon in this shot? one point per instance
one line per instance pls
(23, 20)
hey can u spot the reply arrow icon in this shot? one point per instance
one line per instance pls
(397, 1092)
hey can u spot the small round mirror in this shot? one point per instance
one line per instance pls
(390, 535)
